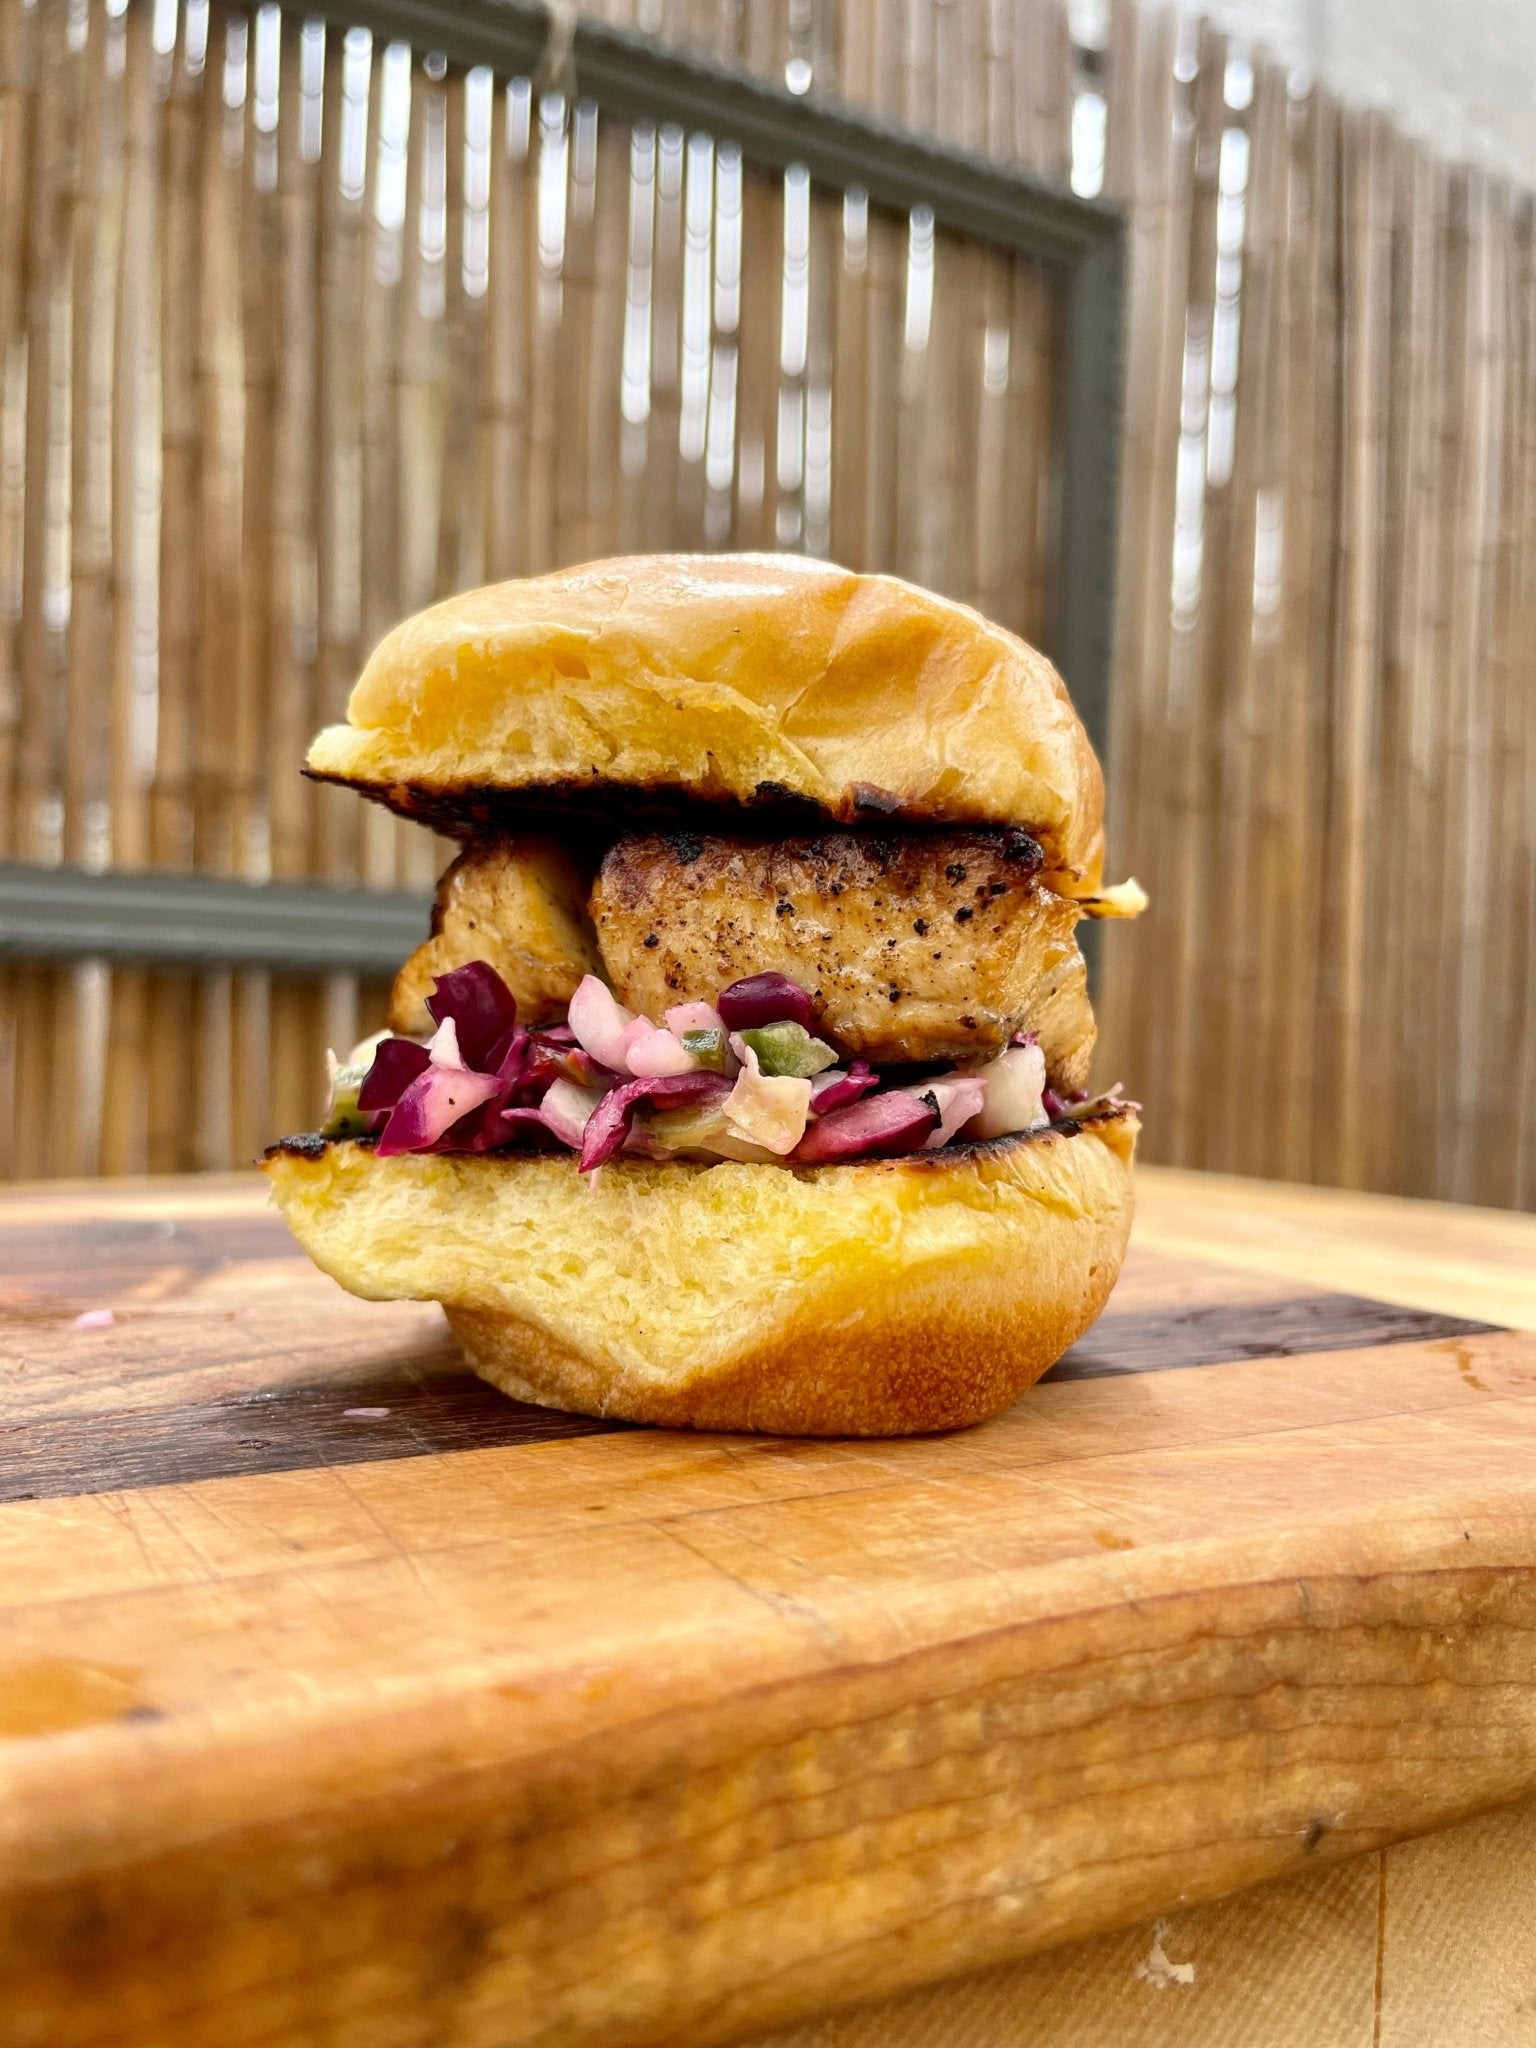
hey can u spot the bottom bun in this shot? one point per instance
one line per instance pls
(878, 1298)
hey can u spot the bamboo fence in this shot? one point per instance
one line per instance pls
(298, 330)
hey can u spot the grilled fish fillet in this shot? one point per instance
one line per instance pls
(931, 946)
(520, 904)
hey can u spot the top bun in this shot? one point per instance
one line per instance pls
(762, 680)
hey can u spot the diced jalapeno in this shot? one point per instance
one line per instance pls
(707, 1047)
(789, 1049)
(343, 1118)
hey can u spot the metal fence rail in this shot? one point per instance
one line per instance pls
(193, 920)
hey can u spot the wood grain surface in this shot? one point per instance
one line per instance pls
(1428, 1944)
(1448, 1257)
(462, 1724)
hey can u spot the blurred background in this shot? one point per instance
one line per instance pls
(300, 328)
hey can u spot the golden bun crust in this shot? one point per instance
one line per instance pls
(721, 679)
(879, 1298)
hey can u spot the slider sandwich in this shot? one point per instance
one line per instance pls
(742, 1082)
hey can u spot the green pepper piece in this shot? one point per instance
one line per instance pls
(707, 1047)
(343, 1118)
(789, 1049)
(681, 1130)
(700, 1132)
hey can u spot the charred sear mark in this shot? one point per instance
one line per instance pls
(959, 1151)
(302, 1145)
(582, 807)
(1020, 848)
(869, 800)
(314, 1144)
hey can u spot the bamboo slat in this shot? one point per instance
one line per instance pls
(1342, 1022)
(45, 473)
(44, 1050)
(180, 610)
(1256, 1111)
(169, 1077)
(884, 359)
(294, 637)
(635, 386)
(10, 1096)
(1411, 686)
(1147, 170)
(378, 343)
(223, 743)
(174, 468)
(1505, 982)
(254, 1115)
(1472, 798)
(510, 327)
(88, 712)
(1243, 1132)
(1313, 360)
(259, 342)
(290, 278)
(336, 822)
(135, 555)
(1519, 1084)
(662, 464)
(1181, 992)
(418, 362)
(757, 375)
(575, 343)
(18, 97)
(124, 1130)
(602, 417)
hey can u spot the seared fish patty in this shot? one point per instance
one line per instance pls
(914, 946)
(520, 904)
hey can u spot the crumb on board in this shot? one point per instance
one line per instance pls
(364, 1414)
(94, 1319)
(1156, 1970)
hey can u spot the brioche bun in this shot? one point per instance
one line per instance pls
(763, 680)
(877, 1298)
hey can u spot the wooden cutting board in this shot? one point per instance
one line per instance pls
(342, 1700)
